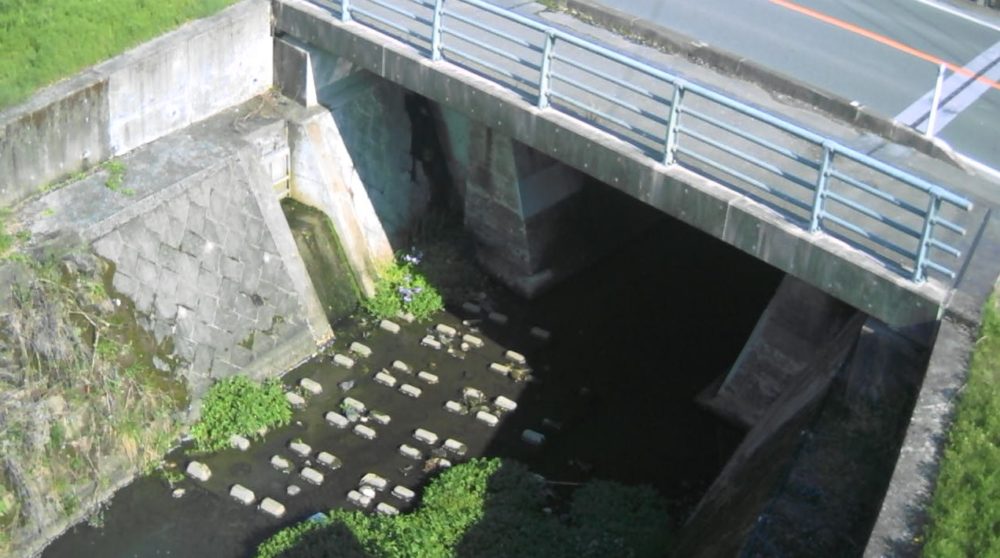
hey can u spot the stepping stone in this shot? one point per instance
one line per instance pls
(472, 308)
(239, 442)
(411, 452)
(540, 334)
(359, 499)
(403, 493)
(498, 318)
(410, 391)
(328, 459)
(280, 463)
(343, 360)
(242, 494)
(425, 436)
(353, 403)
(367, 491)
(401, 367)
(337, 419)
(504, 404)
(487, 418)
(472, 393)
(293, 490)
(365, 432)
(272, 507)
(385, 379)
(430, 341)
(407, 317)
(374, 481)
(386, 509)
(361, 350)
(198, 471)
(515, 357)
(533, 438)
(311, 475)
(455, 407)
(300, 448)
(473, 341)
(456, 447)
(502, 369)
(427, 377)
(446, 330)
(294, 399)
(391, 327)
(380, 418)
(311, 386)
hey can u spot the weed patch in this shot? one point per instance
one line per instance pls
(400, 288)
(238, 405)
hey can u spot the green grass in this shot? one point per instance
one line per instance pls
(238, 405)
(965, 512)
(42, 41)
(400, 288)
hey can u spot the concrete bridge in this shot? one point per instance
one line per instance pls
(879, 237)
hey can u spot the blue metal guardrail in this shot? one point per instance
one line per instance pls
(904, 227)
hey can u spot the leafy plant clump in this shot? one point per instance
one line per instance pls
(400, 288)
(238, 405)
(964, 515)
(489, 508)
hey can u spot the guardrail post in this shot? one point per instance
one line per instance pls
(670, 145)
(543, 77)
(822, 178)
(933, 206)
(436, 30)
(345, 10)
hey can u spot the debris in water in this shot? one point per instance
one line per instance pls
(346, 385)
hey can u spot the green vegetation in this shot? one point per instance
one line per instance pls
(238, 405)
(489, 508)
(43, 41)
(116, 177)
(965, 516)
(400, 289)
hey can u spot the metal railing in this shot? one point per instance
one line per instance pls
(811, 179)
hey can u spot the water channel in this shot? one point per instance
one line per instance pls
(633, 339)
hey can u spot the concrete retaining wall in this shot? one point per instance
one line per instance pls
(152, 90)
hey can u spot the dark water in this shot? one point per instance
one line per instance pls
(633, 340)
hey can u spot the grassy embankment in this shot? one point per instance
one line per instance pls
(42, 41)
(965, 515)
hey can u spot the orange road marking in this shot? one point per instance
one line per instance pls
(885, 41)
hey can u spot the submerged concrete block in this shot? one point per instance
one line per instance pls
(532, 437)
(294, 399)
(239, 442)
(471, 307)
(403, 493)
(425, 436)
(386, 509)
(337, 419)
(487, 418)
(242, 494)
(401, 367)
(456, 447)
(431, 342)
(374, 481)
(354, 404)
(311, 386)
(311, 475)
(280, 463)
(365, 432)
(502, 369)
(360, 349)
(379, 417)
(540, 334)
(409, 451)
(504, 404)
(410, 391)
(272, 507)
(198, 471)
(515, 357)
(428, 377)
(300, 448)
(385, 379)
(358, 499)
(473, 341)
(472, 394)
(498, 318)
(343, 360)
(390, 326)
(455, 407)
(446, 330)
(329, 460)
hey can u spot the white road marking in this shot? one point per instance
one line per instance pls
(959, 13)
(957, 93)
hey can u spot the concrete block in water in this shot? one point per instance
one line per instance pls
(407, 317)
(198, 471)
(374, 481)
(430, 341)
(359, 499)
(365, 432)
(456, 447)
(337, 419)
(343, 360)
(402, 367)
(300, 448)
(360, 349)
(367, 491)
(515, 357)
(354, 404)
(242, 494)
(293, 490)
(504, 404)
(386, 509)
(379, 417)
(409, 451)
(403, 493)
(455, 407)
(469, 393)
(391, 327)
(540, 334)
(534, 438)
(473, 341)
(272, 507)
(329, 460)
(428, 377)
(498, 318)
(311, 475)
(471, 307)
(488, 419)
(410, 391)
(387, 380)
(294, 399)
(312, 386)
(425, 436)
(446, 330)
(239, 442)
(280, 463)
(502, 369)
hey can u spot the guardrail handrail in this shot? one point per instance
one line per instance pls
(671, 147)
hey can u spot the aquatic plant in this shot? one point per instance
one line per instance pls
(401, 289)
(238, 405)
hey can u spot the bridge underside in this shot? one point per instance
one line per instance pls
(820, 260)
